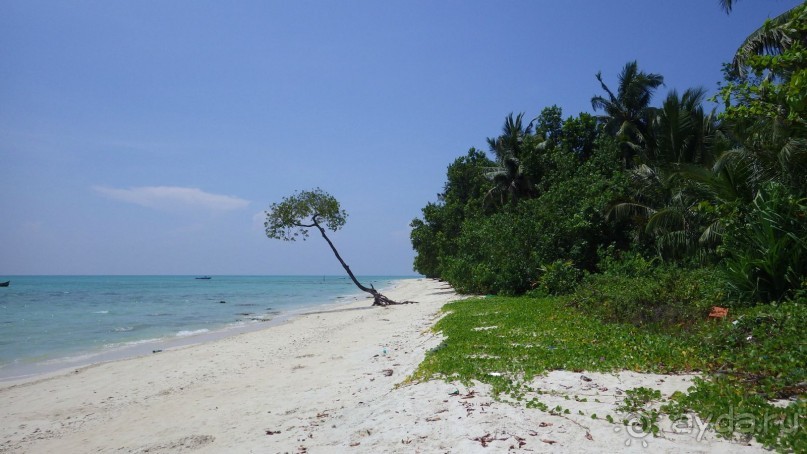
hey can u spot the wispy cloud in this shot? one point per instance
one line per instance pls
(172, 198)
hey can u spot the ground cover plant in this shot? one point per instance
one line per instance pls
(507, 341)
(746, 362)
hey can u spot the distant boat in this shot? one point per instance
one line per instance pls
(204, 277)
(4, 284)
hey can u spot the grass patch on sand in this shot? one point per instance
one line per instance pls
(748, 363)
(507, 341)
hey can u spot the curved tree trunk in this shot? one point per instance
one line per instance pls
(378, 298)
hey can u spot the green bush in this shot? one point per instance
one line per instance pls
(664, 296)
(508, 252)
(768, 251)
(557, 278)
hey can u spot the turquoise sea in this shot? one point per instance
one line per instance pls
(53, 322)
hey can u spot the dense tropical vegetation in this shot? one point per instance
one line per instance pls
(649, 213)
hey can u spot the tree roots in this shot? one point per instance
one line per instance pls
(381, 300)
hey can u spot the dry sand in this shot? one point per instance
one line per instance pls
(321, 383)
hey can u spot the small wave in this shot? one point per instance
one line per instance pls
(101, 312)
(123, 329)
(191, 333)
(159, 314)
(137, 342)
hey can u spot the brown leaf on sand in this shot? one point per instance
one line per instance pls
(354, 444)
(487, 438)
(484, 439)
(545, 424)
(272, 432)
(549, 442)
(589, 437)
(387, 372)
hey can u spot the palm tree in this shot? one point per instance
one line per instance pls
(627, 114)
(774, 37)
(682, 130)
(509, 175)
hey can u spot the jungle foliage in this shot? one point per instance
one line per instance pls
(633, 223)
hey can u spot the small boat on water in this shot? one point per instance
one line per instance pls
(204, 277)
(5, 284)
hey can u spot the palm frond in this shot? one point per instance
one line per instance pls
(771, 39)
(726, 5)
(668, 219)
(628, 210)
(712, 235)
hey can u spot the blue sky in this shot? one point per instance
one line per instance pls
(148, 137)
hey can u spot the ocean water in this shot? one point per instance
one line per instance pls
(51, 322)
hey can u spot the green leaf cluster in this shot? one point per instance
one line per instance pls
(293, 216)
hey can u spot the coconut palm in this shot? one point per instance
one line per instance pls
(775, 36)
(627, 114)
(682, 131)
(509, 175)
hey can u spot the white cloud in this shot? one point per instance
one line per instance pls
(172, 198)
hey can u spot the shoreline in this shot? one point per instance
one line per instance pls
(328, 381)
(21, 373)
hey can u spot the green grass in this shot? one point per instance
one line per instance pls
(506, 342)
(517, 339)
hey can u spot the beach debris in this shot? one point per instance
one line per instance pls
(485, 328)
(471, 394)
(544, 424)
(484, 440)
(407, 441)
(153, 351)
(589, 437)
(456, 392)
(387, 372)
(354, 444)
(322, 415)
(532, 433)
(521, 442)
(272, 432)
(433, 418)
(584, 378)
(718, 313)
(549, 442)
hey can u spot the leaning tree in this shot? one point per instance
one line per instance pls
(295, 215)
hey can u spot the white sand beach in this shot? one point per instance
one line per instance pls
(321, 383)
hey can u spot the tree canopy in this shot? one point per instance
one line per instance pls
(292, 218)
